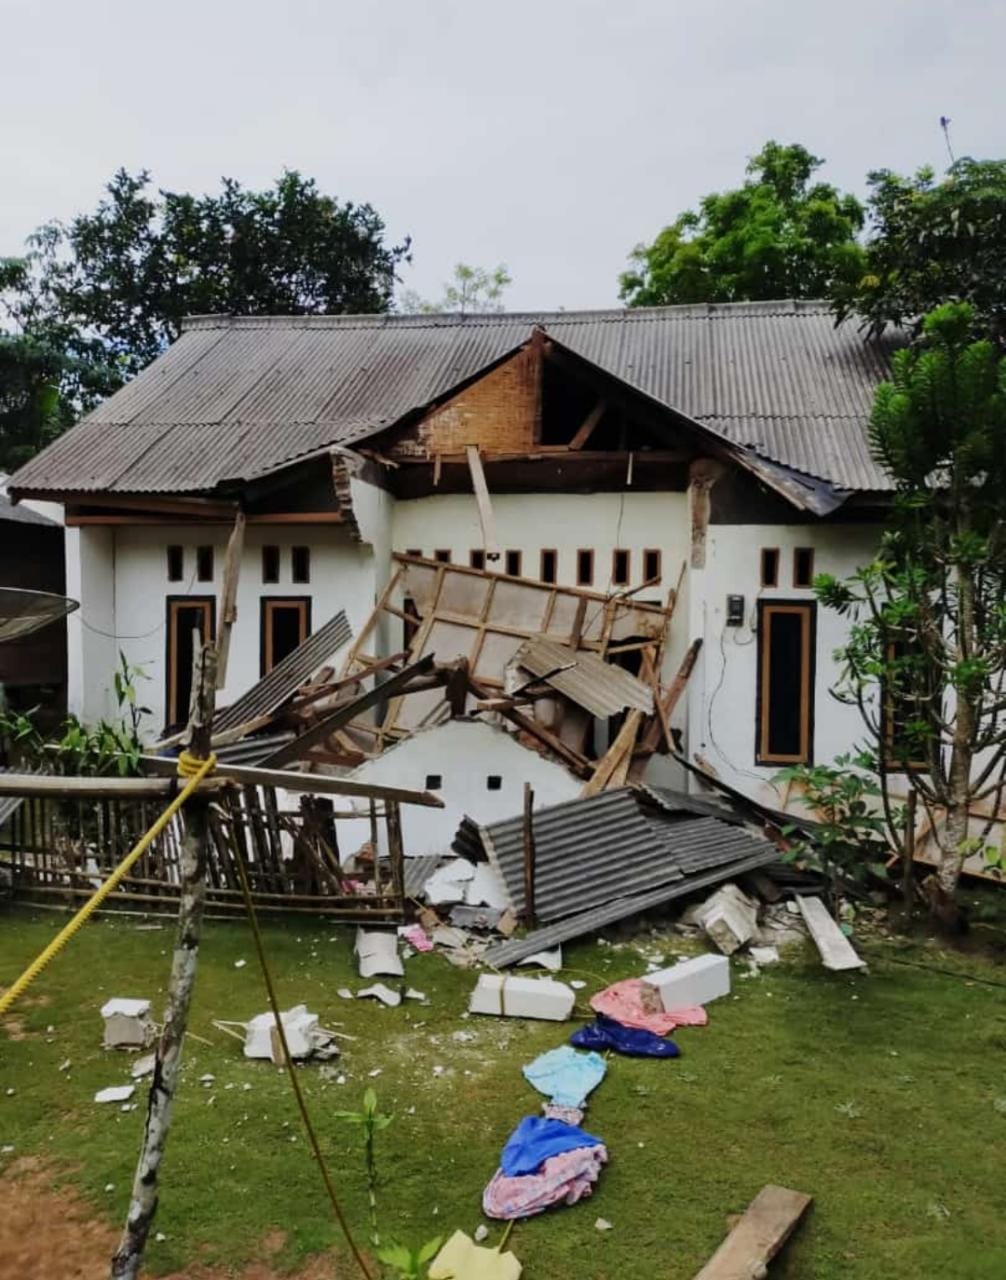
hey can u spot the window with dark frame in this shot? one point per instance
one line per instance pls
(477, 558)
(300, 564)
(414, 551)
(548, 566)
(186, 616)
(584, 567)
(785, 711)
(651, 565)
(176, 563)
(803, 566)
(443, 555)
(494, 782)
(204, 564)
(513, 561)
(434, 781)
(270, 564)
(621, 563)
(286, 623)
(770, 566)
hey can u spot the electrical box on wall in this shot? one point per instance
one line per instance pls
(735, 611)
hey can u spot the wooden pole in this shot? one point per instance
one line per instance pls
(229, 595)
(529, 858)
(908, 866)
(143, 1203)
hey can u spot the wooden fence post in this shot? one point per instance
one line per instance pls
(529, 856)
(143, 1201)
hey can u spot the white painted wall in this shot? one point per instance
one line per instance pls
(464, 753)
(341, 578)
(90, 630)
(723, 689)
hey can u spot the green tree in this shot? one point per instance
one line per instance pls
(925, 660)
(471, 289)
(931, 241)
(101, 296)
(777, 236)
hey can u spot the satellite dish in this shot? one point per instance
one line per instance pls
(22, 612)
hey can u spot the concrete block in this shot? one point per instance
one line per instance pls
(692, 982)
(522, 997)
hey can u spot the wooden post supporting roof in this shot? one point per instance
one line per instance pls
(229, 595)
(487, 518)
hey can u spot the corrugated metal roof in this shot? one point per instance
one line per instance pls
(20, 514)
(600, 687)
(287, 676)
(235, 397)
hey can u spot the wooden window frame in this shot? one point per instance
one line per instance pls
(172, 551)
(762, 576)
(616, 581)
(554, 553)
(655, 552)
(808, 610)
(797, 552)
(204, 553)
(270, 550)
(267, 605)
(300, 574)
(513, 553)
(477, 558)
(173, 606)
(581, 581)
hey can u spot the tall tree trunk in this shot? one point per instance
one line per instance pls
(143, 1203)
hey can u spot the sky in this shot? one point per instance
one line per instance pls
(550, 135)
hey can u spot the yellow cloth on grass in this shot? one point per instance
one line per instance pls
(462, 1259)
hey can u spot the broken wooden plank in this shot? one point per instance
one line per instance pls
(487, 518)
(620, 749)
(586, 428)
(766, 1225)
(675, 689)
(836, 950)
(229, 595)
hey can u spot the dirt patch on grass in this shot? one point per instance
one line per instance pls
(47, 1231)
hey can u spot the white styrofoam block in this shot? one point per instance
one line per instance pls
(115, 1093)
(522, 997)
(448, 883)
(691, 982)
(486, 888)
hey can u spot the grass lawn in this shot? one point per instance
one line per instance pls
(881, 1095)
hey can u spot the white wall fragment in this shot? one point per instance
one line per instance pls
(522, 997)
(377, 954)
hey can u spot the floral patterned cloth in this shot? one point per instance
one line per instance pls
(562, 1179)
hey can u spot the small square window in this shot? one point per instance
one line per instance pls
(548, 565)
(443, 555)
(584, 568)
(204, 564)
(477, 558)
(415, 551)
(270, 564)
(513, 563)
(434, 782)
(651, 565)
(494, 782)
(803, 566)
(300, 564)
(176, 564)
(770, 566)
(620, 567)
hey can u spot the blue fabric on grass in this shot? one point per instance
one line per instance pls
(565, 1076)
(634, 1042)
(535, 1139)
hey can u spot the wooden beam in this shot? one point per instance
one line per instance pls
(313, 783)
(703, 474)
(676, 688)
(487, 518)
(767, 1224)
(76, 519)
(578, 763)
(586, 428)
(152, 504)
(229, 596)
(63, 785)
(324, 729)
(612, 758)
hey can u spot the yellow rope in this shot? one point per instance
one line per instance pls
(194, 771)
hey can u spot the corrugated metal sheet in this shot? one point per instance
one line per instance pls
(254, 750)
(515, 949)
(418, 870)
(235, 397)
(600, 687)
(287, 676)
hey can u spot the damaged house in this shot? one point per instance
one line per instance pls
(605, 525)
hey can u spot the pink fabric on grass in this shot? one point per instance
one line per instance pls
(562, 1179)
(623, 1002)
(415, 936)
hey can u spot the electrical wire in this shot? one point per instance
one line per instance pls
(292, 1070)
(145, 635)
(929, 968)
